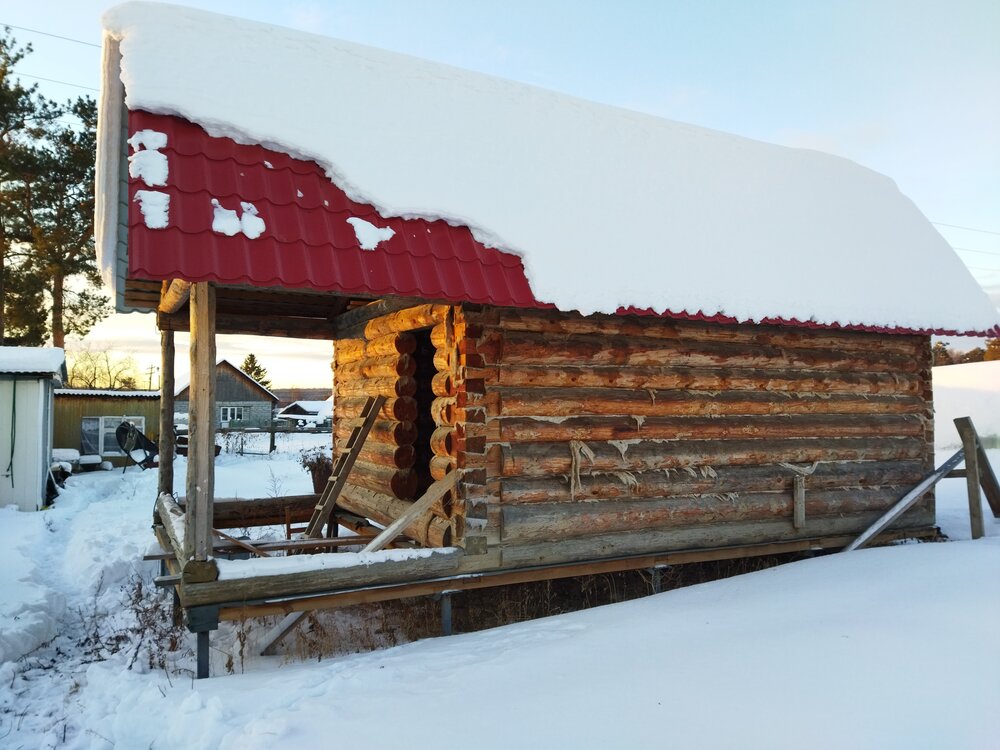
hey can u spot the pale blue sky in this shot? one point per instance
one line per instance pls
(910, 89)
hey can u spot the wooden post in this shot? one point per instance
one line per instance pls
(799, 501)
(201, 440)
(970, 445)
(166, 477)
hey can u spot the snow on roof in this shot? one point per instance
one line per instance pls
(309, 407)
(106, 393)
(608, 208)
(27, 359)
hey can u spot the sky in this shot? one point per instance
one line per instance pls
(906, 87)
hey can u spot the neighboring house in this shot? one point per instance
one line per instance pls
(240, 401)
(630, 341)
(318, 413)
(86, 419)
(28, 376)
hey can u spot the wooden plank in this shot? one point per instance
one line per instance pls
(434, 494)
(174, 529)
(201, 435)
(255, 325)
(165, 480)
(799, 502)
(906, 502)
(241, 543)
(970, 446)
(988, 480)
(382, 508)
(174, 295)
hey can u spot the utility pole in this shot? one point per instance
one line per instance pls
(151, 369)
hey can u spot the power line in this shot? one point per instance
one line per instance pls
(959, 226)
(53, 80)
(54, 36)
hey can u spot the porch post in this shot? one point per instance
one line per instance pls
(201, 441)
(166, 478)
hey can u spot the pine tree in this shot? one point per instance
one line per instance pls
(940, 354)
(255, 370)
(49, 267)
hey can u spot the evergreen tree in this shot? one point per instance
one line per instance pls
(255, 370)
(940, 354)
(48, 274)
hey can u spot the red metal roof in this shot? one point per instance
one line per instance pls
(308, 242)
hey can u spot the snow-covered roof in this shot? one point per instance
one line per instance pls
(308, 408)
(608, 208)
(106, 393)
(17, 360)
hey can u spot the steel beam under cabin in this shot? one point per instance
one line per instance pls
(166, 447)
(201, 440)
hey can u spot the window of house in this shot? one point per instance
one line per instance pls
(232, 413)
(97, 434)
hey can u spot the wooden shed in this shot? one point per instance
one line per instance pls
(240, 401)
(86, 419)
(28, 377)
(605, 341)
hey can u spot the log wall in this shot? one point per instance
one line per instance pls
(582, 438)
(410, 357)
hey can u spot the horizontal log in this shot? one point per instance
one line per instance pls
(443, 411)
(410, 319)
(440, 466)
(554, 521)
(697, 537)
(403, 409)
(230, 513)
(721, 480)
(442, 384)
(385, 431)
(429, 530)
(442, 442)
(516, 348)
(387, 454)
(709, 379)
(400, 483)
(395, 386)
(569, 402)
(444, 360)
(539, 459)
(378, 367)
(323, 579)
(390, 344)
(295, 327)
(531, 430)
(551, 322)
(442, 336)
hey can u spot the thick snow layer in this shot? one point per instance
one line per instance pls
(607, 207)
(273, 566)
(28, 359)
(148, 139)
(969, 390)
(155, 208)
(150, 167)
(65, 454)
(369, 236)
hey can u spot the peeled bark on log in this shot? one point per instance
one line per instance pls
(378, 367)
(387, 454)
(540, 349)
(390, 345)
(443, 385)
(709, 379)
(442, 441)
(568, 402)
(440, 336)
(721, 480)
(411, 319)
(393, 387)
(443, 411)
(384, 431)
(441, 466)
(403, 409)
(444, 360)
(428, 530)
(528, 523)
(539, 459)
(348, 350)
(549, 322)
(603, 428)
(401, 483)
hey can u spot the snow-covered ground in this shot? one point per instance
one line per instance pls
(889, 647)
(969, 390)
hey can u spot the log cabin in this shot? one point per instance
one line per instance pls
(621, 341)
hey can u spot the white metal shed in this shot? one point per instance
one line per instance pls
(28, 377)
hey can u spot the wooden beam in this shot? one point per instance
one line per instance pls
(256, 325)
(351, 324)
(434, 494)
(970, 446)
(166, 442)
(173, 295)
(201, 436)
(988, 480)
(173, 528)
(906, 502)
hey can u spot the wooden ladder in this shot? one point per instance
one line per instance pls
(342, 468)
